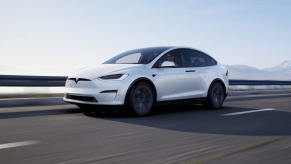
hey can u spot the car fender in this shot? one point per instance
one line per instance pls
(146, 79)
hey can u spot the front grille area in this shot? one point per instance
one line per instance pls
(81, 98)
(80, 83)
(78, 79)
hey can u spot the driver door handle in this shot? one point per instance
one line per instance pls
(190, 70)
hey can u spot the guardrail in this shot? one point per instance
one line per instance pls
(32, 81)
(60, 81)
(258, 82)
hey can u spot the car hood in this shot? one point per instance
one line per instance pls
(94, 72)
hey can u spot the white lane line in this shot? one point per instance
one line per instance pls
(16, 144)
(250, 111)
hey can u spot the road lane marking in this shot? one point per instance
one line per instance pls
(16, 144)
(250, 111)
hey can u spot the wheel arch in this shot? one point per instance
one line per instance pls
(144, 79)
(215, 81)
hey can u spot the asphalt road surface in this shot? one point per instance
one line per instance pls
(248, 129)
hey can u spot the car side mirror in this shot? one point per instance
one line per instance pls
(168, 64)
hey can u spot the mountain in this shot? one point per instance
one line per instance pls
(250, 73)
(284, 67)
(279, 72)
(245, 69)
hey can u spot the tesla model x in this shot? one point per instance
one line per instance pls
(139, 79)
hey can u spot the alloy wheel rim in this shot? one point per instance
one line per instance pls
(142, 99)
(218, 95)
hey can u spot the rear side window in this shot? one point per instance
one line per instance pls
(198, 59)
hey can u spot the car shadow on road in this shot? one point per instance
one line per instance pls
(200, 119)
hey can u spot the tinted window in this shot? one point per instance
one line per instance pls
(198, 59)
(137, 56)
(177, 56)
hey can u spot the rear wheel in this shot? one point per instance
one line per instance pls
(141, 99)
(216, 96)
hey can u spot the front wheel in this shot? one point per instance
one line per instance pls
(141, 99)
(216, 96)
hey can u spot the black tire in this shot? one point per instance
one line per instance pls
(141, 99)
(216, 96)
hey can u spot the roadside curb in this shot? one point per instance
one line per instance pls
(19, 102)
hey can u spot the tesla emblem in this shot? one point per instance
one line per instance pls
(76, 80)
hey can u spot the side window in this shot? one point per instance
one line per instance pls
(199, 59)
(177, 56)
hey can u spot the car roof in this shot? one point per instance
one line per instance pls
(169, 48)
(172, 48)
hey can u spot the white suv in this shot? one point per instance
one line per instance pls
(141, 78)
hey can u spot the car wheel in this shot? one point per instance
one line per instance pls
(141, 99)
(216, 96)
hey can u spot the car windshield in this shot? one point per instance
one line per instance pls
(137, 56)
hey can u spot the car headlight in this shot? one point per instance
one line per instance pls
(113, 77)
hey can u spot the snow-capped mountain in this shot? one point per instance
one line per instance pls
(284, 67)
(279, 72)
(245, 69)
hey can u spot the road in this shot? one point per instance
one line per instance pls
(248, 129)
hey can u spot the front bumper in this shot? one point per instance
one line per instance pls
(104, 92)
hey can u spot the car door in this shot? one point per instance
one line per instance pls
(201, 68)
(174, 83)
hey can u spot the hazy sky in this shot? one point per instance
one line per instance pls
(59, 37)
